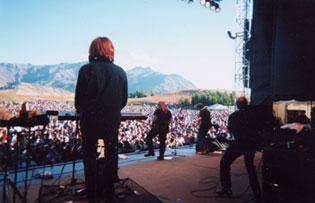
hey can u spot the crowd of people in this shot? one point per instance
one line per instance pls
(61, 141)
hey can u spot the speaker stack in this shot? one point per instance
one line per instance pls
(288, 175)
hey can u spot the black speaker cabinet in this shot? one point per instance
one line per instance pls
(288, 175)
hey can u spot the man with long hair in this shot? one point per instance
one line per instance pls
(101, 92)
(204, 124)
(162, 117)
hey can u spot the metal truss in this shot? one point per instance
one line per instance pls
(242, 37)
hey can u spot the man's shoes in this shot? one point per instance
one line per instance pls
(149, 154)
(160, 158)
(202, 153)
(227, 192)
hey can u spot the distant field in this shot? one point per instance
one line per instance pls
(173, 97)
(168, 98)
(15, 97)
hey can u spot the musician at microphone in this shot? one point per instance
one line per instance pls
(101, 93)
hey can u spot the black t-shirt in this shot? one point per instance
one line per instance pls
(206, 119)
(163, 119)
(241, 125)
(238, 124)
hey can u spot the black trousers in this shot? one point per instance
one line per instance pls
(90, 136)
(231, 154)
(162, 137)
(201, 145)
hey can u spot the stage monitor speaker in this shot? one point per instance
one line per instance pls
(288, 176)
(126, 188)
(127, 191)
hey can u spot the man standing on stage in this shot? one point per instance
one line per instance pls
(204, 124)
(101, 93)
(245, 143)
(162, 117)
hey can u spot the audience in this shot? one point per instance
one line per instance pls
(59, 141)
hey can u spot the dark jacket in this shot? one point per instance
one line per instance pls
(101, 92)
(206, 119)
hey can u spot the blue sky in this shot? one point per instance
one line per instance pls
(170, 36)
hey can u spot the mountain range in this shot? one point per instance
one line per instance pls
(61, 79)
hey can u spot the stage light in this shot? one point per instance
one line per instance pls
(207, 4)
(212, 5)
(217, 8)
(189, 1)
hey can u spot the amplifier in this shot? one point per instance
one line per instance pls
(288, 175)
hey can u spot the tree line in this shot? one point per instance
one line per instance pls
(209, 98)
(140, 94)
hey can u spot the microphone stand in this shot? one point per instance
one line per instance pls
(6, 179)
(5, 175)
(73, 181)
(175, 153)
(175, 149)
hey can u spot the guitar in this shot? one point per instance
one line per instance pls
(216, 126)
(144, 122)
(199, 123)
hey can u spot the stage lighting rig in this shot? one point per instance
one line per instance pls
(215, 6)
(212, 4)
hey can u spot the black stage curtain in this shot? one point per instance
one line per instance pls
(282, 59)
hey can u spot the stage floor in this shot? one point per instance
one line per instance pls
(185, 178)
(191, 179)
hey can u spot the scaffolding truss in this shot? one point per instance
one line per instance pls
(242, 37)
